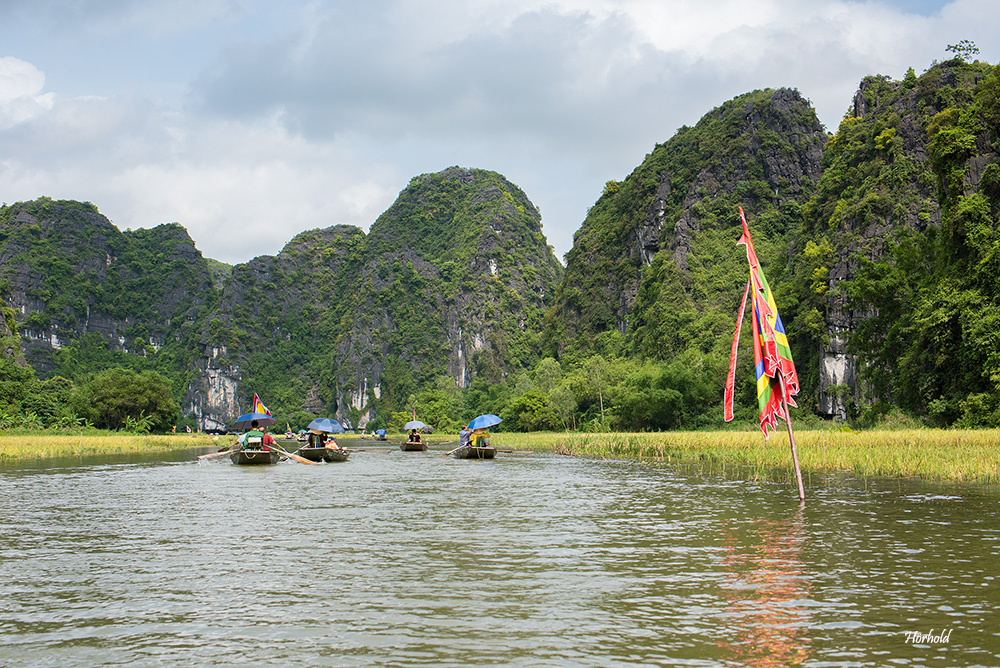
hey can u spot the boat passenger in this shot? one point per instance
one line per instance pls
(329, 442)
(464, 437)
(255, 439)
(414, 436)
(479, 438)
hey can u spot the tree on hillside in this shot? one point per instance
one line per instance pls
(964, 50)
(117, 397)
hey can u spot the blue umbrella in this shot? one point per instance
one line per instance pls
(485, 421)
(327, 426)
(245, 422)
(380, 432)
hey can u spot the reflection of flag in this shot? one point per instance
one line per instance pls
(258, 406)
(772, 355)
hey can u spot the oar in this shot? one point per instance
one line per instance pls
(217, 454)
(451, 452)
(297, 458)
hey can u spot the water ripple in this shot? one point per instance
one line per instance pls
(406, 559)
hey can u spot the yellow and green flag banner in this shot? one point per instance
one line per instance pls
(772, 355)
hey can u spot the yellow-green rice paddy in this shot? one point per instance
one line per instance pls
(920, 453)
(42, 444)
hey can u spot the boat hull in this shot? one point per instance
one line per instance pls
(407, 446)
(335, 455)
(473, 452)
(254, 457)
(323, 454)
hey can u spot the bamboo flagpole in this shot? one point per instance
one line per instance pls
(791, 441)
(777, 380)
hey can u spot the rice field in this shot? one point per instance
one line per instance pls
(41, 444)
(919, 453)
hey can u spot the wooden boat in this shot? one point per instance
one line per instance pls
(412, 446)
(322, 454)
(335, 455)
(476, 452)
(255, 457)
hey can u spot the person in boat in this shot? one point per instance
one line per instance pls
(414, 436)
(464, 437)
(479, 438)
(329, 442)
(249, 440)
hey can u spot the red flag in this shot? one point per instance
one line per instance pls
(772, 354)
(727, 396)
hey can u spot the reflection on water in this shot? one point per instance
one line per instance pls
(766, 592)
(409, 559)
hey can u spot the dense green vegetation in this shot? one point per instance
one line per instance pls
(760, 151)
(931, 346)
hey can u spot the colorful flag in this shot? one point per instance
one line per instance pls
(258, 406)
(772, 354)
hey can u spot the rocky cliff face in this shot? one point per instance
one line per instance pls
(455, 278)
(274, 325)
(762, 150)
(878, 182)
(71, 273)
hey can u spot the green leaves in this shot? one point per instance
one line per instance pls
(121, 399)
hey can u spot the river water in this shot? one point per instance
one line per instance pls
(410, 559)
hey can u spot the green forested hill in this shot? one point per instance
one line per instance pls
(880, 241)
(903, 230)
(451, 282)
(654, 258)
(454, 280)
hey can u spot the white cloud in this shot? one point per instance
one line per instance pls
(21, 96)
(272, 122)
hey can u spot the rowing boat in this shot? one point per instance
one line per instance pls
(412, 446)
(332, 455)
(476, 452)
(254, 457)
(321, 454)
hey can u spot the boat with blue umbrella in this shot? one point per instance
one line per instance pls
(251, 451)
(321, 446)
(475, 440)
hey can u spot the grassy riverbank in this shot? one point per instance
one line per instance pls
(41, 444)
(920, 453)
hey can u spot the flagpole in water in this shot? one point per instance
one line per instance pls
(791, 439)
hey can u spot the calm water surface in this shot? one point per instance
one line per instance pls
(410, 559)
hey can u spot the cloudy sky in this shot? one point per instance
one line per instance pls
(248, 121)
